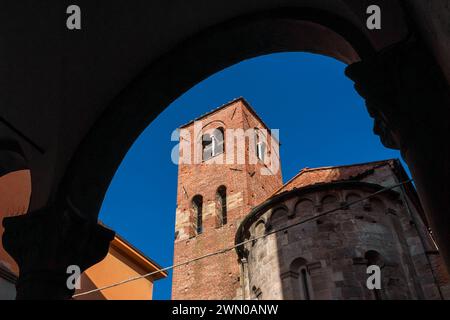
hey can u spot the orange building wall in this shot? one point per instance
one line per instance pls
(122, 261)
(114, 268)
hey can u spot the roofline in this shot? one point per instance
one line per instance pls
(254, 213)
(125, 247)
(121, 245)
(306, 169)
(137, 256)
(352, 165)
(241, 99)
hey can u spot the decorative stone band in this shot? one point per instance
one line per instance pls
(45, 242)
(405, 93)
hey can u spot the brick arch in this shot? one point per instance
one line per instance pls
(210, 127)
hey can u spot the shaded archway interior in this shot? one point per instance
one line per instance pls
(101, 152)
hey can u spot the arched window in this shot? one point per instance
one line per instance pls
(260, 145)
(197, 206)
(301, 280)
(213, 144)
(222, 206)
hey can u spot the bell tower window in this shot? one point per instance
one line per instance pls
(260, 145)
(213, 144)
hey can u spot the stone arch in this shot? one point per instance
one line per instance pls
(278, 215)
(304, 207)
(350, 198)
(88, 163)
(259, 228)
(280, 28)
(329, 201)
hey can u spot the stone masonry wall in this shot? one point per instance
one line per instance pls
(334, 249)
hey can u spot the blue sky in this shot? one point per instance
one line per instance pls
(321, 118)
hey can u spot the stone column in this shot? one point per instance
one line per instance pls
(408, 97)
(44, 243)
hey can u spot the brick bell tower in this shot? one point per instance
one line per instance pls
(219, 180)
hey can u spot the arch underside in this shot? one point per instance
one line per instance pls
(210, 51)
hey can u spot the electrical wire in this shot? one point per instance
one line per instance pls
(344, 206)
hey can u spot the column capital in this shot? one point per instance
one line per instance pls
(405, 93)
(45, 242)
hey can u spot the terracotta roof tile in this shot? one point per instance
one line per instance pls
(311, 176)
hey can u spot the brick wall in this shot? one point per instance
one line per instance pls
(216, 277)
